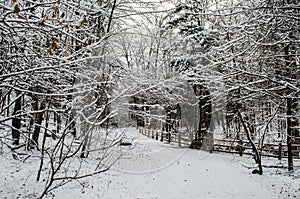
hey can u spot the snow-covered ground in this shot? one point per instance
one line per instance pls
(151, 169)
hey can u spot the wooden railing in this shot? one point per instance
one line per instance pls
(181, 139)
(275, 150)
(242, 147)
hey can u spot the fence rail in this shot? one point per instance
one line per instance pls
(183, 140)
(242, 147)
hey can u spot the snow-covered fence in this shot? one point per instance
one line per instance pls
(181, 139)
(242, 147)
(275, 150)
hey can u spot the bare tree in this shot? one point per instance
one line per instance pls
(257, 49)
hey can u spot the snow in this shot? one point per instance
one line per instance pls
(152, 169)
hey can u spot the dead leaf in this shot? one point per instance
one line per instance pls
(54, 45)
(55, 9)
(20, 17)
(16, 9)
(41, 22)
(54, 39)
(82, 22)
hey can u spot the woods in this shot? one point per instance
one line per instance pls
(75, 74)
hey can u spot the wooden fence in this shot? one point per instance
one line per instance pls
(241, 147)
(275, 150)
(181, 139)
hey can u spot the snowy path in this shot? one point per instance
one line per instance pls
(151, 169)
(156, 170)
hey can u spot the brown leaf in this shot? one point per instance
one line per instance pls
(82, 22)
(41, 22)
(20, 17)
(47, 17)
(55, 9)
(27, 4)
(54, 39)
(14, 1)
(54, 45)
(16, 9)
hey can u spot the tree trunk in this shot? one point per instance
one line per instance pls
(289, 132)
(4, 94)
(58, 122)
(84, 151)
(43, 146)
(8, 101)
(257, 155)
(111, 16)
(37, 126)
(16, 121)
(71, 123)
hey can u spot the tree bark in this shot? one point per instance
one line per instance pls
(43, 146)
(111, 16)
(289, 133)
(255, 150)
(37, 126)
(16, 121)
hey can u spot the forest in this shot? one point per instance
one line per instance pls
(75, 75)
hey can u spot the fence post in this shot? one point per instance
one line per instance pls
(179, 139)
(191, 137)
(241, 147)
(156, 135)
(152, 135)
(279, 151)
(162, 137)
